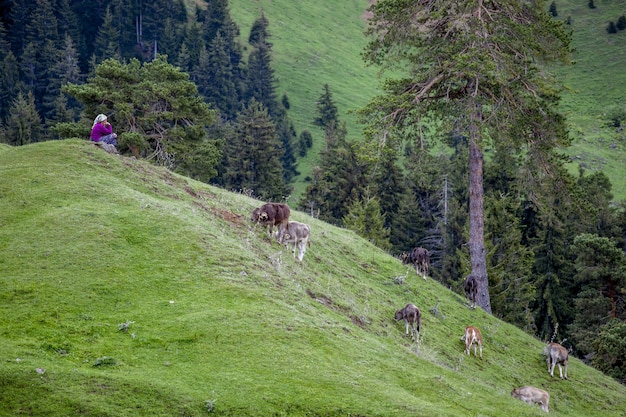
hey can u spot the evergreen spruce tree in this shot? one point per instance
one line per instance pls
(66, 70)
(611, 28)
(327, 112)
(305, 141)
(461, 57)
(23, 124)
(193, 44)
(287, 136)
(509, 263)
(553, 11)
(364, 217)
(108, 40)
(217, 84)
(252, 155)
(261, 81)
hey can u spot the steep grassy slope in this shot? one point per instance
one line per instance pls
(321, 42)
(126, 290)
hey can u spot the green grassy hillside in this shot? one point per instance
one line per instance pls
(321, 42)
(126, 290)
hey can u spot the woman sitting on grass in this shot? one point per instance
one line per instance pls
(102, 131)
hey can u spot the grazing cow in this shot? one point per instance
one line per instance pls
(412, 317)
(557, 354)
(420, 258)
(298, 234)
(532, 395)
(471, 290)
(473, 336)
(270, 215)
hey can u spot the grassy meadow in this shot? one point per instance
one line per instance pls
(317, 43)
(127, 290)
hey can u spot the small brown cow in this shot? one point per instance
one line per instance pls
(532, 395)
(420, 258)
(412, 318)
(557, 355)
(471, 290)
(270, 215)
(298, 234)
(473, 336)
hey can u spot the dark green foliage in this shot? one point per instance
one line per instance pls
(611, 28)
(287, 136)
(610, 348)
(327, 113)
(155, 100)
(364, 217)
(621, 23)
(468, 90)
(510, 263)
(338, 182)
(305, 141)
(252, 155)
(107, 43)
(23, 125)
(552, 10)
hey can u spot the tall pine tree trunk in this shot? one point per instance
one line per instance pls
(477, 212)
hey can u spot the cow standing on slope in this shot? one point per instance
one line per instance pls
(270, 215)
(298, 234)
(471, 290)
(420, 258)
(557, 355)
(412, 318)
(471, 337)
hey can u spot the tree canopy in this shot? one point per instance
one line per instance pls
(477, 67)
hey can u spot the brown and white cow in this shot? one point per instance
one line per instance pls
(420, 258)
(472, 336)
(532, 395)
(298, 234)
(471, 290)
(557, 355)
(412, 318)
(270, 215)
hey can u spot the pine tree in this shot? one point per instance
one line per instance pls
(153, 106)
(215, 79)
(327, 112)
(252, 155)
(611, 28)
(23, 124)
(461, 57)
(9, 83)
(261, 82)
(364, 217)
(553, 11)
(108, 39)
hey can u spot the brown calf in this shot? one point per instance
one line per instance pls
(557, 355)
(420, 258)
(532, 395)
(270, 215)
(473, 336)
(471, 290)
(411, 316)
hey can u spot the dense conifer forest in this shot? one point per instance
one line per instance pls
(184, 90)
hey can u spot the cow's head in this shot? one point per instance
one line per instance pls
(255, 215)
